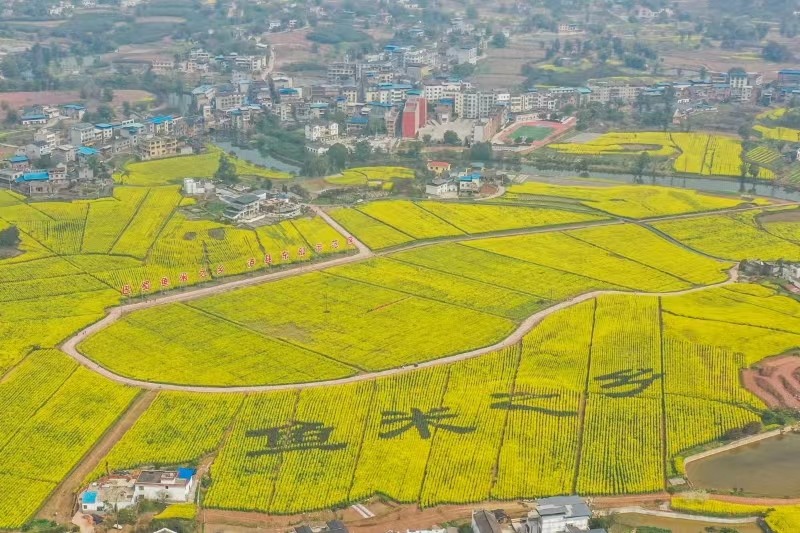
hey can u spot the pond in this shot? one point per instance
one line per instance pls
(729, 186)
(252, 155)
(765, 468)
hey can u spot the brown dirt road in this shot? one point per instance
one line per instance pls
(61, 502)
(389, 517)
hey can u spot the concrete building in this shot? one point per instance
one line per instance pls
(156, 147)
(415, 115)
(485, 522)
(244, 208)
(321, 131)
(560, 514)
(442, 188)
(439, 167)
(463, 54)
(228, 100)
(174, 486)
(82, 133)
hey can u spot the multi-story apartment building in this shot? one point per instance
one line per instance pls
(228, 100)
(82, 133)
(415, 115)
(156, 147)
(321, 131)
(605, 92)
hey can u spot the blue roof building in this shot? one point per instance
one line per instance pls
(186, 473)
(358, 121)
(73, 107)
(16, 159)
(85, 151)
(475, 176)
(89, 497)
(39, 175)
(33, 116)
(104, 126)
(161, 119)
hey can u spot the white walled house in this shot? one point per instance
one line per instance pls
(559, 514)
(165, 485)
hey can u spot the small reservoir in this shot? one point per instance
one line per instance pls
(766, 468)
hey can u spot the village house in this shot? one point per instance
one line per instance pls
(560, 514)
(438, 167)
(322, 131)
(157, 147)
(442, 188)
(123, 491)
(244, 208)
(470, 183)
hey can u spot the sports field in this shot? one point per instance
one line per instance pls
(559, 402)
(531, 133)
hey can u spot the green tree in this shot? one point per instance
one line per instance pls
(641, 165)
(362, 151)
(226, 171)
(450, 137)
(481, 151)
(108, 94)
(754, 170)
(338, 155)
(745, 130)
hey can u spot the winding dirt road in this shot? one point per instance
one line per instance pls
(70, 346)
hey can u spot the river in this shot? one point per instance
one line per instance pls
(727, 186)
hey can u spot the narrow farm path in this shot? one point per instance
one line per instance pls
(70, 345)
(682, 516)
(61, 504)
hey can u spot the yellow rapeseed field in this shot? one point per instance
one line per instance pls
(632, 201)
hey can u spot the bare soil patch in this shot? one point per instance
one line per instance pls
(776, 381)
(28, 98)
(388, 517)
(781, 216)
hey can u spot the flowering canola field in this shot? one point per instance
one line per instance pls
(579, 405)
(459, 432)
(381, 313)
(697, 153)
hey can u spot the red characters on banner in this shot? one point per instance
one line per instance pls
(301, 252)
(335, 243)
(146, 285)
(285, 255)
(184, 277)
(268, 259)
(202, 273)
(350, 241)
(126, 290)
(251, 262)
(318, 247)
(165, 282)
(220, 270)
